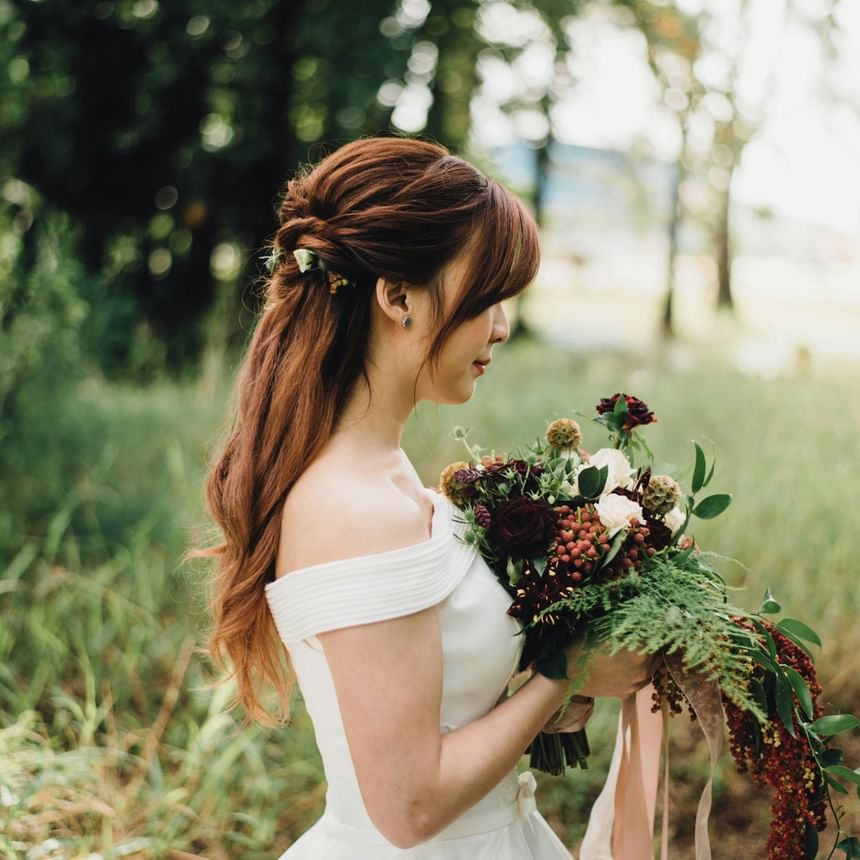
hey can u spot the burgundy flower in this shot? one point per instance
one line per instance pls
(659, 534)
(638, 413)
(520, 467)
(467, 476)
(482, 516)
(523, 526)
(496, 470)
(774, 758)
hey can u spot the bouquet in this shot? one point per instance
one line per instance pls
(590, 546)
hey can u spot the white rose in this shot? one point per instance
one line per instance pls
(675, 519)
(619, 469)
(616, 511)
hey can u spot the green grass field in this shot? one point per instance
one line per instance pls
(113, 742)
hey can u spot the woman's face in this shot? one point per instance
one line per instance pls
(467, 351)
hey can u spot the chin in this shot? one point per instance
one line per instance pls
(455, 396)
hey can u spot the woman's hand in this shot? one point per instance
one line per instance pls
(578, 713)
(606, 676)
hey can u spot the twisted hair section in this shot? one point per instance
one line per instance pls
(390, 207)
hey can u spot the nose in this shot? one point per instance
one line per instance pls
(501, 328)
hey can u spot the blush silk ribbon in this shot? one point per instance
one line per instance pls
(621, 824)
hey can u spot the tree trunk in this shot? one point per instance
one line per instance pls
(724, 254)
(520, 328)
(667, 323)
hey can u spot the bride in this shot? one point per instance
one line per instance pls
(339, 569)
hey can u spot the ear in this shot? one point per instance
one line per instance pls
(394, 298)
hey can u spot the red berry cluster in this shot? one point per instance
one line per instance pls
(581, 540)
(773, 757)
(579, 543)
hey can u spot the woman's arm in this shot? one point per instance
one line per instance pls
(413, 779)
(388, 679)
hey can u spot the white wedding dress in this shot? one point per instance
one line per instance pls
(480, 649)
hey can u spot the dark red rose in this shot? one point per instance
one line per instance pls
(638, 413)
(523, 526)
(520, 467)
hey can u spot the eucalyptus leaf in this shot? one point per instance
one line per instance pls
(800, 690)
(592, 480)
(711, 472)
(852, 776)
(613, 548)
(837, 786)
(784, 705)
(851, 847)
(834, 724)
(644, 444)
(768, 639)
(758, 694)
(769, 606)
(763, 660)
(831, 757)
(797, 641)
(798, 628)
(698, 469)
(810, 842)
(712, 506)
(539, 564)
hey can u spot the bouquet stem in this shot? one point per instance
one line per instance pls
(551, 752)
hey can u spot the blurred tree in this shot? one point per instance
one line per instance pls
(674, 46)
(450, 27)
(163, 129)
(527, 43)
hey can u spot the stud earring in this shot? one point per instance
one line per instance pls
(407, 321)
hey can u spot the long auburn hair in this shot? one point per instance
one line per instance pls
(395, 207)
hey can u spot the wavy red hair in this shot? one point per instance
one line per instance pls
(394, 207)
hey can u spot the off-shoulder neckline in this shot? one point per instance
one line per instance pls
(436, 534)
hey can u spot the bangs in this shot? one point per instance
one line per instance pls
(504, 258)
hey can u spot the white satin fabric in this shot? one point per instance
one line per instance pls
(480, 651)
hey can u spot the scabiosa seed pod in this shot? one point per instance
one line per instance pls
(661, 494)
(564, 433)
(482, 516)
(451, 488)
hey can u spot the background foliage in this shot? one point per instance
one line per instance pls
(141, 149)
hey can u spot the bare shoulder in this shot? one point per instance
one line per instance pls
(329, 516)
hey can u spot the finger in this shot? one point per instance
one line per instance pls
(574, 718)
(569, 722)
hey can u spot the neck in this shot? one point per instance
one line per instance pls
(373, 423)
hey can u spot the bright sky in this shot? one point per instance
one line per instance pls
(804, 160)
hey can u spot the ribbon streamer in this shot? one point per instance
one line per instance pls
(621, 823)
(704, 698)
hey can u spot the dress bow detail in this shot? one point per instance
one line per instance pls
(526, 793)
